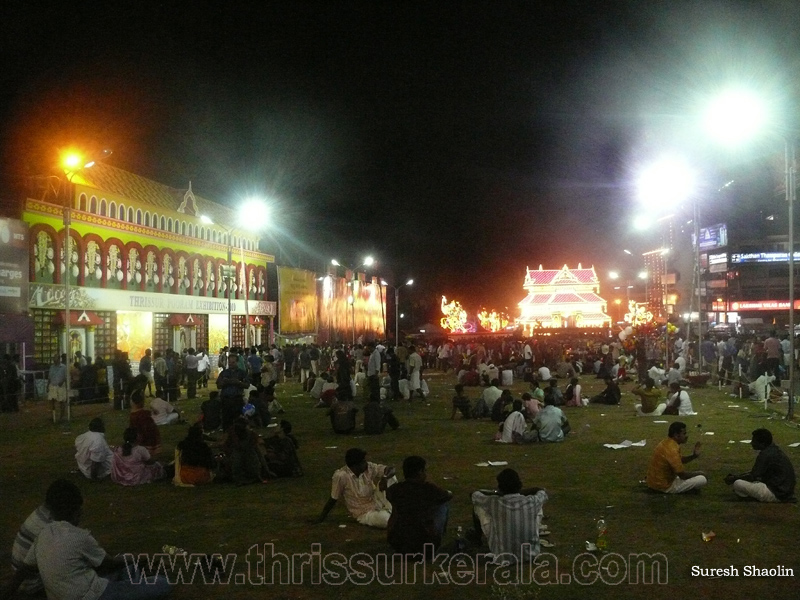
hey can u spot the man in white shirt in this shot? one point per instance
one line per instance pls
(356, 483)
(514, 425)
(202, 368)
(492, 393)
(374, 371)
(92, 452)
(414, 372)
(68, 558)
(544, 373)
(163, 412)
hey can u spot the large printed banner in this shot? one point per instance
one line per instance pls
(47, 295)
(297, 291)
(14, 267)
(342, 321)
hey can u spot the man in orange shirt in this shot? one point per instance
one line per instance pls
(666, 473)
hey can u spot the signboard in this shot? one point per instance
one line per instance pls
(713, 237)
(762, 305)
(48, 295)
(14, 266)
(297, 290)
(718, 259)
(762, 257)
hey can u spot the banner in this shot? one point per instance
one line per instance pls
(362, 319)
(14, 266)
(48, 295)
(297, 293)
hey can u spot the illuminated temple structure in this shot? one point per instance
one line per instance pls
(561, 298)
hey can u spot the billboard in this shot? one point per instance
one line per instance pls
(360, 320)
(297, 290)
(14, 266)
(713, 237)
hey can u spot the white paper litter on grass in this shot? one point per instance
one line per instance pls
(482, 464)
(498, 463)
(625, 444)
(795, 445)
(659, 421)
(731, 441)
(709, 433)
(331, 447)
(733, 406)
(745, 441)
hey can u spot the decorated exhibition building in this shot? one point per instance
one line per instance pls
(145, 271)
(562, 298)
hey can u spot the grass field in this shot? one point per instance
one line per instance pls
(584, 481)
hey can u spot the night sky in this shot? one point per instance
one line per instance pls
(458, 142)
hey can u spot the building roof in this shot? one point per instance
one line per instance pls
(563, 276)
(135, 187)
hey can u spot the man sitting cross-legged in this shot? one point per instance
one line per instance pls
(510, 517)
(419, 510)
(666, 472)
(772, 477)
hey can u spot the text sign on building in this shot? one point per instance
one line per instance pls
(762, 305)
(762, 257)
(43, 295)
(14, 266)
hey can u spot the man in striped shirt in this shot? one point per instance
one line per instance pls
(510, 517)
(26, 535)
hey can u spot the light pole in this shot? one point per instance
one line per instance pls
(396, 307)
(737, 115)
(72, 163)
(252, 215)
(351, 301)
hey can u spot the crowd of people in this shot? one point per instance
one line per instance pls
(415, 511)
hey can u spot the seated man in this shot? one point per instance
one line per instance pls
(544, 373)
(513, 427)
(163, 412)
(510, 518)
(666, 472)
(92, 451)
(419, 510)
(26, 535)
(679, 402)
(551, 424)
(531, 405)
(674, 375)
(461, 403)
(356, 481)
(772, 477)
(557, 398)
(610, 395)
(377, 416)
(492, 393)
(343, 413)
(67, 557)
(650, 396)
